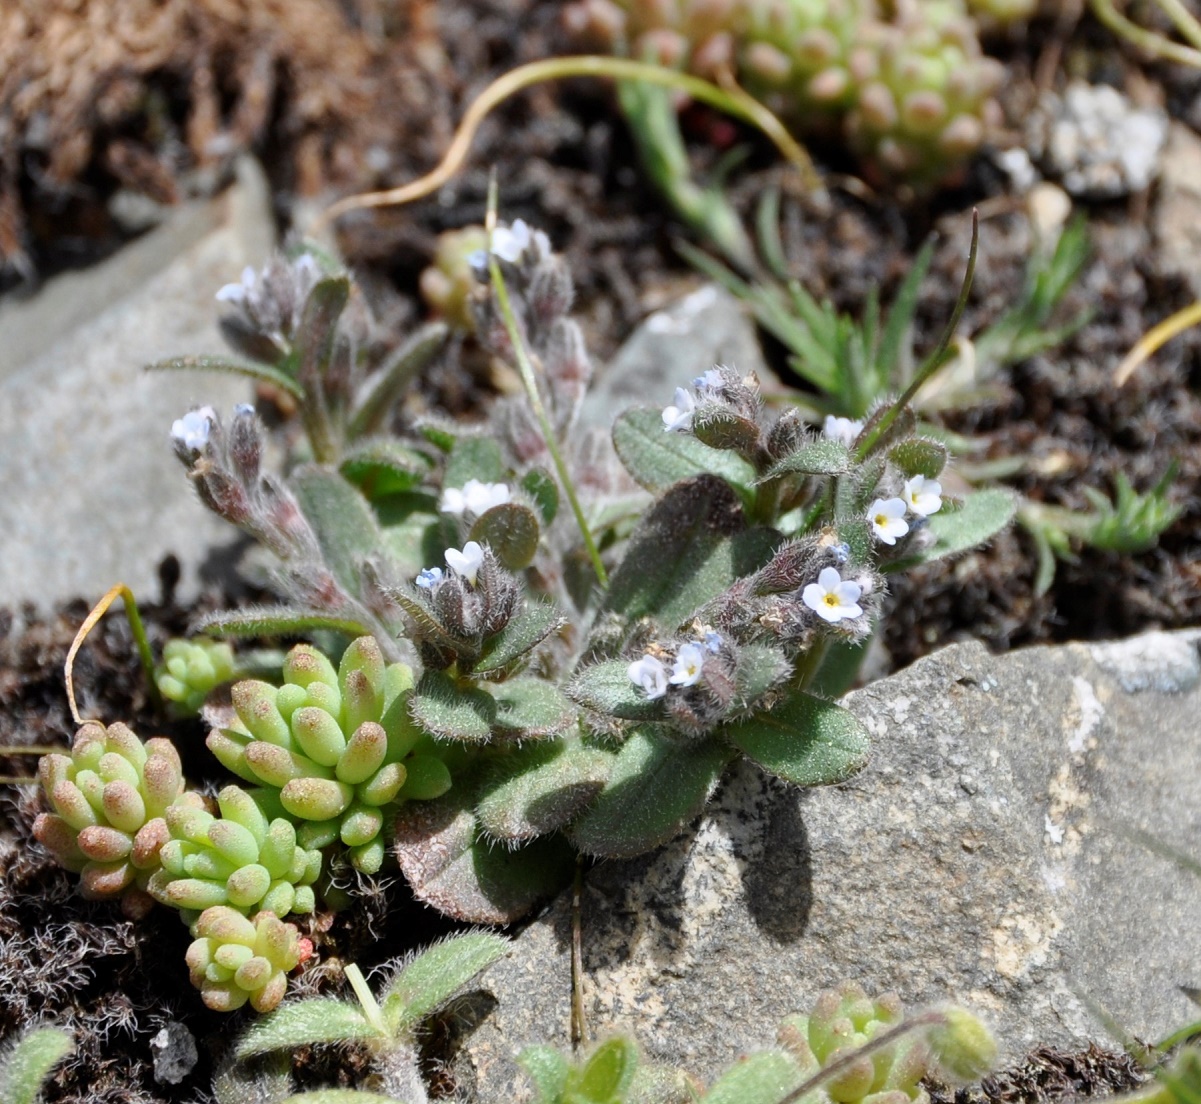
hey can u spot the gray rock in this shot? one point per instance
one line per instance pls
(175, 1053)
(1176, 217)
(92, 493)
(978, 858)
(670, 349)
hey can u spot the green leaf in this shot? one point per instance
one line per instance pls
(721, 428)
(608, 1073)
(839, 668)
(529, 709)
(820, 457)
(804, 740)
(606, 688)
(982, 516)
(450, 712)
(263, 373)
(762, 1078)
(384, 388)
(690, 546)
(277, 621)
(521, 635)
(316, 341)
(382, 466)
(657, 458)
(450, 866)
(760, 667)
(542, 488)
(302, 1023)
(656, 787)
(919, 456)
(345, 526)
(548, 1069)
(435, 976)
(27, 1062)
(474, 458)
(511, 531)
(540, 787)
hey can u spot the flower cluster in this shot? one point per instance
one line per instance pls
(475, 498)
(920, 498)
(651, 674)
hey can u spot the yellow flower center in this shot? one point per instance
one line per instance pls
(831, 599)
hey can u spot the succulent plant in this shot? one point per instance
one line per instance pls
(245, 858)
(907, 81)
(449, 284)
(234, 959)
(338, 744)
(109, 798)
(191, 669)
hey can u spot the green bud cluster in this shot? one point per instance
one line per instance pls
(907, 81)
(243, 859)
(234, 960)
(191, 668)
(843, 1020)
(109, 798)
(339, 745)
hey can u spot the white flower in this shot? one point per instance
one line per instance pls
(713, 641)
(429, 578)
(923, 496)
(711, 381)
(467, 562)
(236, 293)
(689, 661)
(475, 498)
(192, 430)
(510, 243)
(831, 598)
(842, 430)
(887, 519)
(650, 674)
(679, 416)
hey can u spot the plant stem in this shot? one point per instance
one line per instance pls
(733, 103)
(1106, 11)
(370, 1006)
(1155, 338)
(578, 1030)
(526, 368)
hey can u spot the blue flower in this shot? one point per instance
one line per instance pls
(429, 578)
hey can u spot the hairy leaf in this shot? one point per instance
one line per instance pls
(427, 983)
(449, 866)
(919, 456)
(690, 546)
(345, 526)
(263, 373)
(540, 787)
(762, 1078)
(521, 635)
(982, 516)
(304, 1022)
(384, 388)
(474, 458)
(383, 466)
(720, 428)
(804, 740)
(548, 1069)
(542, 488)
(530, 708)
(821, 457)
(450, 712)
(511, 531)
(605, 687)
(657, 458)
(277, 621)
(760, 667)
(657, 785)
(26, 1062)
(608, 1072)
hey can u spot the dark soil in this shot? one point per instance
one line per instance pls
(564, 162)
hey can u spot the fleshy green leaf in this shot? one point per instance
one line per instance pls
(450, 866)
(820, 457)
(657, 785)
(511, 531)
(540, 787)
(383, 466)
(345, 526)
(690, 546)
(530, 708)
(982, 516)
(657, 458)
(548, 1069)
(302, 1023)
(606, 688)
(756, 1079)
(542, 488)
(450, 712)
(263, 373)
(284, 621)
(428, 982)
(522, 634)
(804, 740)
(919, 456)
(26, 1063)
(474, 458)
